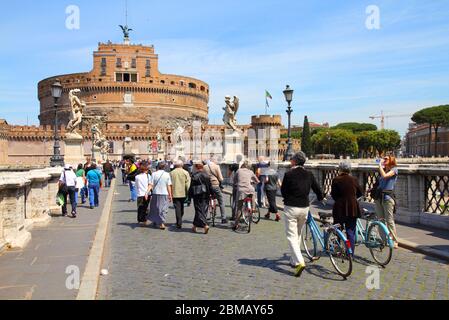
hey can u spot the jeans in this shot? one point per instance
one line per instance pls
(84, 194)
(271, 195)
(219, 195)
(71, 192)
(124, 176)
(260, 191)
(132, 188)
(108, 179)
(350, 225)
(295, 218)
(94, 195)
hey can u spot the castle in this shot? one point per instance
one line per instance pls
(137, 102)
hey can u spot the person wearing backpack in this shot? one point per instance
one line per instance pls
(94, 183)
(200, 190)
(67, 187)
(131, 174)
(216, 179)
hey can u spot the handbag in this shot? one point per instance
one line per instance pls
(376, 192)
(63, 186)
(200, 189)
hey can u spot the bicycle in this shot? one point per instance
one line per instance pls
(376, 237)
(212, 209)
(246, 214)
(332, 240)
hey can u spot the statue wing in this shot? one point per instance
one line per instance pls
(236, 104)
(122, 27)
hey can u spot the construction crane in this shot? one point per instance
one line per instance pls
(383, 117)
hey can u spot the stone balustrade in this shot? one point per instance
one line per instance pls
(26, 200)
(422, 190)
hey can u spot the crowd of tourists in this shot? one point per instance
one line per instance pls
(83, 183)
(154, 185)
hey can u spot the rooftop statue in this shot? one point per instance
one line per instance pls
(126, 31)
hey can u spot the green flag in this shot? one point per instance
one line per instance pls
(268, 95)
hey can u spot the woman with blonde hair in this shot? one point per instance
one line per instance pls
(385, 200)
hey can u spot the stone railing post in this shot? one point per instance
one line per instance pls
(12, 211)
(52, 189)
(39, 211)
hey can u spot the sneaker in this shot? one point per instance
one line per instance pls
(298, 270)
(268, 216)
(278, 218)
(224, 221)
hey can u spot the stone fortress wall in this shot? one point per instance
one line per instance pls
(126, 86)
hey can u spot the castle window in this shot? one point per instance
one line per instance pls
(103, 66)
(125, 77)
(127, 127)
(133, 63)
(192, 85)
(163, 81)
(119, 62)
(203, 88)
(181, 83)
(148, 68)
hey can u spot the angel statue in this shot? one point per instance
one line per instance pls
(178, 133)
(77, 112)
(126, 31)
(231, 110)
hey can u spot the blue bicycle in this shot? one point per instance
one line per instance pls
(332, 240)
(376, 237)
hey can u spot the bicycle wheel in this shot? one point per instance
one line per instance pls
(213, 213)
(338, 253)
(247, 218)
(256, 215)
(377, 243)
(308, 242)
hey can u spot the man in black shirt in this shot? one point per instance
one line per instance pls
(295, 190)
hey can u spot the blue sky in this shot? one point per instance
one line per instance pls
(340, 70)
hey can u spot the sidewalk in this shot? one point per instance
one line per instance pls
(38, 272)
(426, 240)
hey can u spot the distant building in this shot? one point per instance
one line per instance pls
(417, 141)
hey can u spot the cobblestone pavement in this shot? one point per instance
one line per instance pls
(146, 263)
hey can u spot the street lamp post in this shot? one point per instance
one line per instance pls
(289, 98)
(56, 160)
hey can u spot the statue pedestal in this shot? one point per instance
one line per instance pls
(96, 152)
(74, 150)
(179, 152)
(233, 147)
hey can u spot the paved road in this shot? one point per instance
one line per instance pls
(146, 263)
(38, 272)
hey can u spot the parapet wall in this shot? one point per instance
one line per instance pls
(26, 200)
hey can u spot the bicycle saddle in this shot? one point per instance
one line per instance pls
(368, 214)
(325, 215)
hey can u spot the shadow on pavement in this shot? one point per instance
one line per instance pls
(272, 264)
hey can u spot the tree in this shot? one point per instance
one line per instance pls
(435, 117)
(356, 127)
(336, 141)
(384, 141)
(306, 143)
